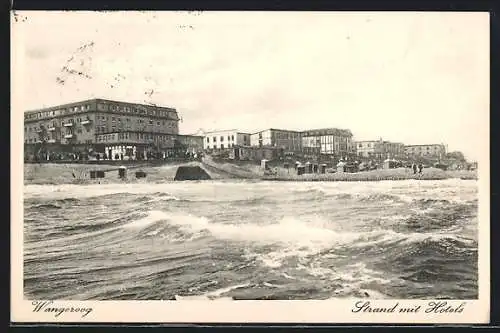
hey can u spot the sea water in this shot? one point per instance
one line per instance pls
(251, 240)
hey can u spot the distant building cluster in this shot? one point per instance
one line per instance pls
(119, 130)
(327, 142)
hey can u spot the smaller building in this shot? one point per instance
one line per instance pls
(289, 141)
(428, 151)
(224, 139)
(370, 149)
(379, 149)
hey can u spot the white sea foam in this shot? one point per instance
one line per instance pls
(152, 217)
(288, 230)
(287, 276)
(293, 236)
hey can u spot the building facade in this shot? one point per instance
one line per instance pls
(379, 149)
(394, 150)
(429, 151)
(328, 141)
(225, 139)
(192, 143)
(288, 141)
(370, 148)
(106, 126)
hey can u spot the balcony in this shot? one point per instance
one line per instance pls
(68, 136)
(51, 128)
(39, 130)
(51, 141)
(70, 124)
(86, 121)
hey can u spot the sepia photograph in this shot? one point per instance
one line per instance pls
(272, 157)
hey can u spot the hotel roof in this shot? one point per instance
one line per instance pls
(227, 130)
(328, 131)
(276, 129)
(55, 107)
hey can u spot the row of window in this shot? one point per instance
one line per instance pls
(52, 113)
(423, 153)
(37, 140)
(78, 130)
(324, 139)
(140, 121)
(387, 148)
(140, 136)
(284, 135)
(104, 129)
(293, 142)
(56, 124)
(138, 110)
(391, 146)
(422, 148)
(368, 145)
(72, 121)
(72, 131)
(229, 138)
(230, 145)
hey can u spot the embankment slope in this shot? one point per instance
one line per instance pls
(48, 173)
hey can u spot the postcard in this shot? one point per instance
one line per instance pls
(250, 167)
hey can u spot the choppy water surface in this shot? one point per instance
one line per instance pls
(251, 240)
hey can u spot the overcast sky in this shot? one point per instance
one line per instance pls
(415, 78)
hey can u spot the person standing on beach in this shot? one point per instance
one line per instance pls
(414, 167)
(420, 167)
